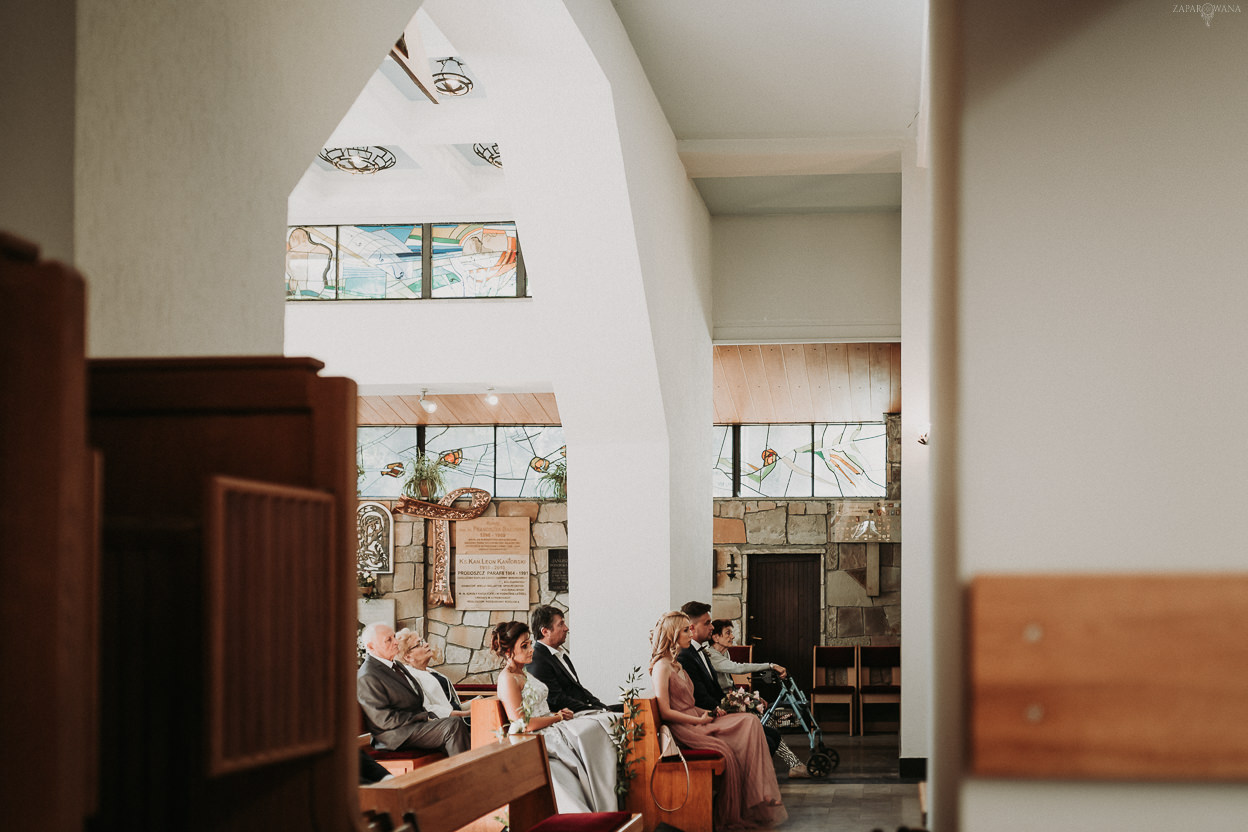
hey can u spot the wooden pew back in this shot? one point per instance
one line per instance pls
(692, 804)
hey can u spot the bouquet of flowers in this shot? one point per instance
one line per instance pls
(742, 701)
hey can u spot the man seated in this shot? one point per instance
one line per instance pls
(440, 697)
(552, 665)
(707, 692)
(393, 704)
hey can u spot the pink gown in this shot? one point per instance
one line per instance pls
(749, 777)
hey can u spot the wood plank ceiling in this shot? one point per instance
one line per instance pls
(754, 384)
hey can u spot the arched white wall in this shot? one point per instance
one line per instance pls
(194, 122)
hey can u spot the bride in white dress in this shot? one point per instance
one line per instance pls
(582, 756)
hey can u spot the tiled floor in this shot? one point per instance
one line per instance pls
(864, 792)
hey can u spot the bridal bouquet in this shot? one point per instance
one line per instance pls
(742, 701)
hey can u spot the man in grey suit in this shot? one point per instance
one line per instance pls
(394, 707)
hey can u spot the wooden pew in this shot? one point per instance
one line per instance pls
(396, 762)
(694, 813)
(453, 793)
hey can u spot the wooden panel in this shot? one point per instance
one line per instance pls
(270, 682)
(860, 383)
(789, 582)
(819, 387)
(1122, 677)
(460, 409)
(798, 379)
(48, 564)
(777, 383)
(761, 409)
(881, 378)
(838, 382)
(550, 408)
(729, 359)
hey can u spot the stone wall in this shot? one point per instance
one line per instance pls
(461, 638)
(822, 528)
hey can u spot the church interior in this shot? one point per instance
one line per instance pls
(709, 248)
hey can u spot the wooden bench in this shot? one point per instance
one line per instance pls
(396, 762)
(453, 793)
(694, 813)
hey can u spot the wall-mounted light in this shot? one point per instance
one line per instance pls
(428, 407)
(731, 568)
(490, 398)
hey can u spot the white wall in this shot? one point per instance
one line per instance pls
(1100, 306)
(37, 128)
(807, 277)
(617, 246)
(194, 122)
(916, 486)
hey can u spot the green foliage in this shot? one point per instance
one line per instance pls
(625, 730)
(424, 469)
(553, 485)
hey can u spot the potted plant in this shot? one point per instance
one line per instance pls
(367, 582)
(424, 478)
(553, 484)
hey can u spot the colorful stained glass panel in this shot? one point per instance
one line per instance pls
(385, 455)
(721, 461)
(311, 262)
(467, 454)
(474, 260)
(849, 460)
(524, 454)
(379, 261)
(775, 461)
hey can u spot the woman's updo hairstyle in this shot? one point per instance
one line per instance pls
(503, 639)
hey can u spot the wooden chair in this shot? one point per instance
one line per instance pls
(742, 654)
(825, 690)
(888, 658)
(453, 793)
(695, 811)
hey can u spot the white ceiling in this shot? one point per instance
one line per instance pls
(788, 106)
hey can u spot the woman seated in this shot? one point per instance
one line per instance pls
(582, 756)
(440, 697)
(750, 795)
(722, 637)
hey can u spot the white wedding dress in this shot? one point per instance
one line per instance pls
(582, 757)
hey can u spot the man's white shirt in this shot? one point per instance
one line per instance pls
(561, 655)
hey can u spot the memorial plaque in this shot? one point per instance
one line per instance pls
(492, 563)
(558, 560)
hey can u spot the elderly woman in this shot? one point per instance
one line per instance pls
(440, 696)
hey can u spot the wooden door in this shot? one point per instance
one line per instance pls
(782, 611)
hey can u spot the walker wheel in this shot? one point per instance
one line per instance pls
(821, 764)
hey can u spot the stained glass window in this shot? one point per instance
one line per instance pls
(467, 454)
(379, 261)
(311, 263)
(384, 454)
(849, 460)
(474, 260)
(775, 460)
(525, 453)
(721, 450)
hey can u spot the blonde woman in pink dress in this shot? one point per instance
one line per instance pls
(750, 795)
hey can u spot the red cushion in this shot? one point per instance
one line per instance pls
(583, 822)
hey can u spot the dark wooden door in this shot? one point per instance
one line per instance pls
(782, 612)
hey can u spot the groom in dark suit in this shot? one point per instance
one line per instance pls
(393, 705)
(553, 666)
(707, 693)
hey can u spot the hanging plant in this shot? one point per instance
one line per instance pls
(424, 479)
(553, 484)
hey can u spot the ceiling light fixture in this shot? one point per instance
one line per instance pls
(451, 82)
(490, 398)
(489, 152)
(359, 159)
(428, 407)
